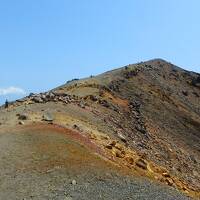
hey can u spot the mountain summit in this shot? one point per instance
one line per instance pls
(136, 126)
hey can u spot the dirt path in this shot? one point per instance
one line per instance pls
(41, 162)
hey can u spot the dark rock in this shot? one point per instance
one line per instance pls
(23, 117)
(75, 79)
(120, 154)
(185, 93)
(31, 95)
(114, 86)
(135, 104)
(196, 81)
(21, 123)
(197, 95)
(50, 96)
(126, 67)
(141, 129)
(130, 74)
(93, 98)
(169, 181)
(104, 103)
(76, 127)
(109, 146)
(166, 175)
(37, 99)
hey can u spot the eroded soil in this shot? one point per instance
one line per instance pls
(40, 161)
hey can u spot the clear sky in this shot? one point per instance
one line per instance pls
(44, 43)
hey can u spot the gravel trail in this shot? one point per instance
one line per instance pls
(42, 164)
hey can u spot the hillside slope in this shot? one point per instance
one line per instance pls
(140, 120)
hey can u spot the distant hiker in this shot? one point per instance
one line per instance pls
(6, 104)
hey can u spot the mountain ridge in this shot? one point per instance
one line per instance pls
(145, 117)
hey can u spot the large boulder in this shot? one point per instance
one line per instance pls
(48, 117)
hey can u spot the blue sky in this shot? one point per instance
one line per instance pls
(44, 43)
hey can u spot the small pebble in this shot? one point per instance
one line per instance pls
(73, 182)
(21, 122)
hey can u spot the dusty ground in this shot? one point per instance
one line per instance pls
(41, 161)
(141, 120)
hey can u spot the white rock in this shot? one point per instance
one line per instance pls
(74, 182)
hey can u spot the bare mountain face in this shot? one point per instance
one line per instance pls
(139, 120)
